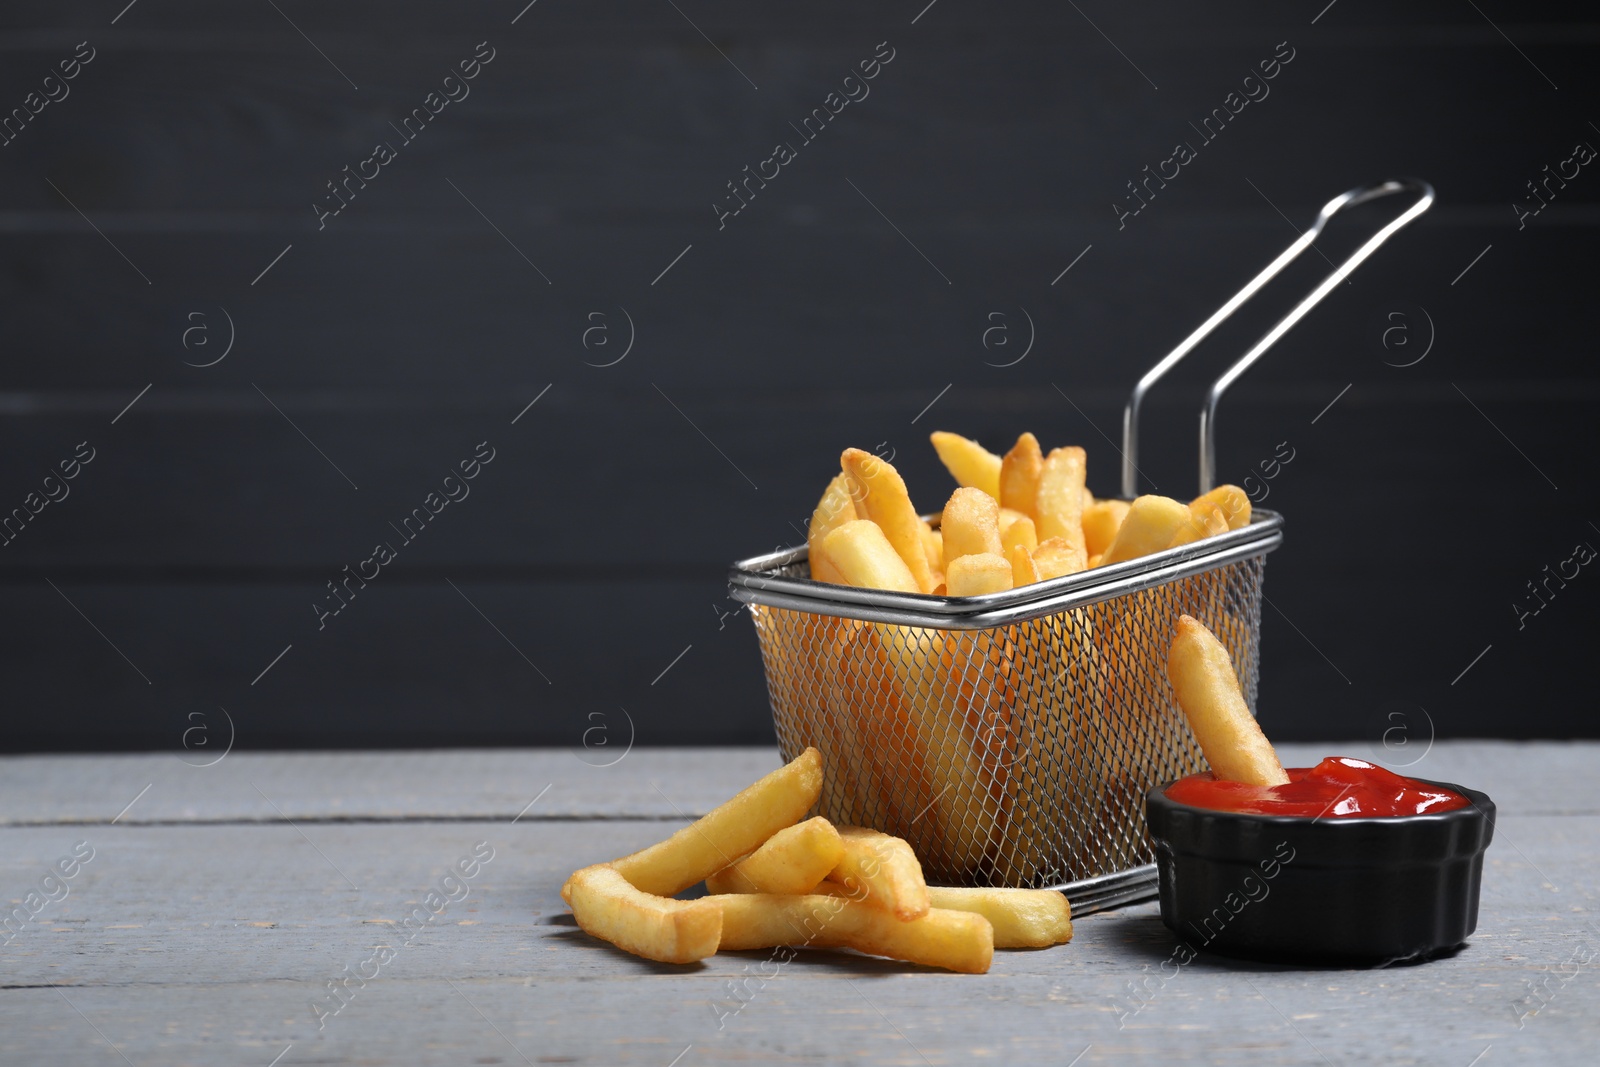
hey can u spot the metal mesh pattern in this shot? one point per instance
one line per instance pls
(1017, 755)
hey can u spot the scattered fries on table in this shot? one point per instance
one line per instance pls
(659, 928)
(734, 829)
(793, 860)
(884, 871)
(955, 940)
(779, 881)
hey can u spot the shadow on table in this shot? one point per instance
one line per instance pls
(844, 962)
(579, 940)
(1147, 937)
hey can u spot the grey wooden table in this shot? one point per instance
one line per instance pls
(212, 913)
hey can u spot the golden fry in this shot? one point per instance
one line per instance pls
(730, 830)
(957, 693)
(863, 556)
(933, 545)
(975, 575)
(834, 510)
(1024, 571)
(1058, 502)
(1150, 525)
(968, 462)
(1101, 521)
(1022, 533)
(1233, 501)
(971, 524)
(1019, 474)
(1022, 918)
(870, 669)
(794, 860)
(883, 871)
(655, 927)
(955, 940)
(1056, 556)
(1208, 691)
(1049, 812)
(1205, 519)
(881, 493)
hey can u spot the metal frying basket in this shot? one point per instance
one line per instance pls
(1011, 737)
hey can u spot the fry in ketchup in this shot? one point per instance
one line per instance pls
(1245, 774)
(1338, 787)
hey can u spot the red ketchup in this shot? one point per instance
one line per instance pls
(1338, 786)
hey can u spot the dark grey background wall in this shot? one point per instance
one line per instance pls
(162, 207)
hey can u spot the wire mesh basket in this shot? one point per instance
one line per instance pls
(1011, 737)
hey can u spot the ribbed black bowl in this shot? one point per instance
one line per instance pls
(1326, 890)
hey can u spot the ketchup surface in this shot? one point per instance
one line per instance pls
(1338, 786)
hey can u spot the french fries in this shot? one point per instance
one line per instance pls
(955, 740)
(956, 694)
(1101, 520)
(1024, 571)
(1233, 501)
(655, 927)
(1057, 556)
(971, 525)
(879, 750)
(862, 555)
(883, 870)
(1058, 500)
(1020, 533)
(968, 462)
(1022, 918)
(1208, 691)
(794, 860)
(834, 510)
(974, 575)
(1056, 770)
(1205, 520)
(1019, 474)
(955, 940)
(881, 495)
(1025, 497)
(730, 830)
(933, 545)
(1150, 525)
(874, 899)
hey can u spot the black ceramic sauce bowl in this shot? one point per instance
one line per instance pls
(1325, 890)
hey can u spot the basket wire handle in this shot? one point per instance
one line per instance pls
(1208, 415)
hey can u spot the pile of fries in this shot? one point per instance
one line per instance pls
(774, 880)
(1014, 755)
(1017, 519)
